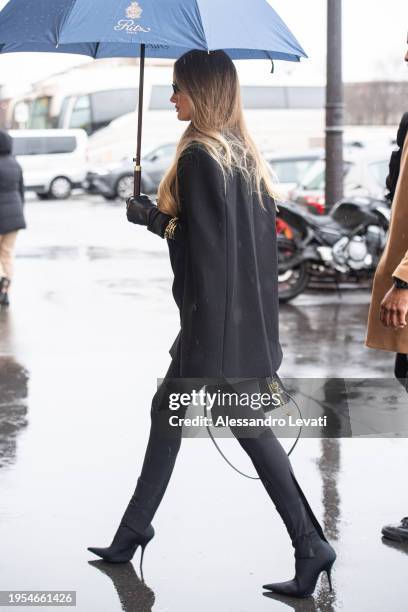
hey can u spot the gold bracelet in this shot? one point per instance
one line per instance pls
(171, 228)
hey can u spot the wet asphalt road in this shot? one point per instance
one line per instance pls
(81, 348)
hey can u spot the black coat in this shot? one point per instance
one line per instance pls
(11, 188)
(224, 258)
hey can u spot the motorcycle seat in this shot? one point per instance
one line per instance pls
(321, 220)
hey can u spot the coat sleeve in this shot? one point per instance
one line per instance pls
(401, 271)
(203, 208)
(164, 225)
(158, 222)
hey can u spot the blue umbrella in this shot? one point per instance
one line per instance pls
(150, 28)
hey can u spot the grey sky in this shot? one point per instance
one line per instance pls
(374, 31)
(375, 35)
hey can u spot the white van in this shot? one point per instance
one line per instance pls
(54, 161)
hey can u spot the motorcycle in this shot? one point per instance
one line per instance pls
(344, 245)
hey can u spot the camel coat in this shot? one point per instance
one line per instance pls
(393, 262)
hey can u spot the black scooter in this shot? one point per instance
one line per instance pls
(344, 245)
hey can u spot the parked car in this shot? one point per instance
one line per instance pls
(365, 173)
(290, 167)
(53, 161)
(116, 180)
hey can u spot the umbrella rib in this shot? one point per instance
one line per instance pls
(65, 19)
(202, 25)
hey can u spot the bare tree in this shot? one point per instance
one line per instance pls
(375, 102)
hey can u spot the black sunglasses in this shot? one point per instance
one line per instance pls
(176, 88)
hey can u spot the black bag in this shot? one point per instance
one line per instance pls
(271, 385)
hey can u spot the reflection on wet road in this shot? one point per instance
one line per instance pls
(81, 347)
(13, 406)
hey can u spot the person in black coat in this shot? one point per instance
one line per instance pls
(11, 211)
(216, 209)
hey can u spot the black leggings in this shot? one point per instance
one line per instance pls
(265, 451)
(401, 369)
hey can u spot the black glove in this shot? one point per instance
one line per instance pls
(139, 208)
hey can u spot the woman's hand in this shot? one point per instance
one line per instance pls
(138, 209)
(394, 308)
(141, 210)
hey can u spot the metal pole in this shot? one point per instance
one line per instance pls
(334, 105)
(138, 167)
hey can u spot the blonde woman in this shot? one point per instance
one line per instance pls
(216, 209)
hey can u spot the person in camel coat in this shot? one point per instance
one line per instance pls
(387, 320)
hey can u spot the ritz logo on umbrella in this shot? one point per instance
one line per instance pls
(133, 12)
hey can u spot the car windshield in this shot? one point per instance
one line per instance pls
(380, 171)
(291, 170)
(315, 179)
(43, 145)
(163, 151)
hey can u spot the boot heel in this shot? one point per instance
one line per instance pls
(328, 573)
(141, 556)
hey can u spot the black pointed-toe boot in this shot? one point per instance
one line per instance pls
(135, 528)
(124, 545)
(312, 556)
(313, 553)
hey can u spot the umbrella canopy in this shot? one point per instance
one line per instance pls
(150, 28)
(244, 30)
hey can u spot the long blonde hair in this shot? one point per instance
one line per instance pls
(211, 82)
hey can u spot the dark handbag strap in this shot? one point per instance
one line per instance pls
(274, 385)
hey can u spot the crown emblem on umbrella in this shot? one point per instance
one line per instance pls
(134, 11)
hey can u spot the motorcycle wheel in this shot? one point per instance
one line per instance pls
(293, 281)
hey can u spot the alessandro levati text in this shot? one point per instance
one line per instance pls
(227, 421)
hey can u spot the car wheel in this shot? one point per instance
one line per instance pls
(124, 187)
(60, 188)
(42, 196)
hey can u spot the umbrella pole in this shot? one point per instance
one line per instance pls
(138, 167)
